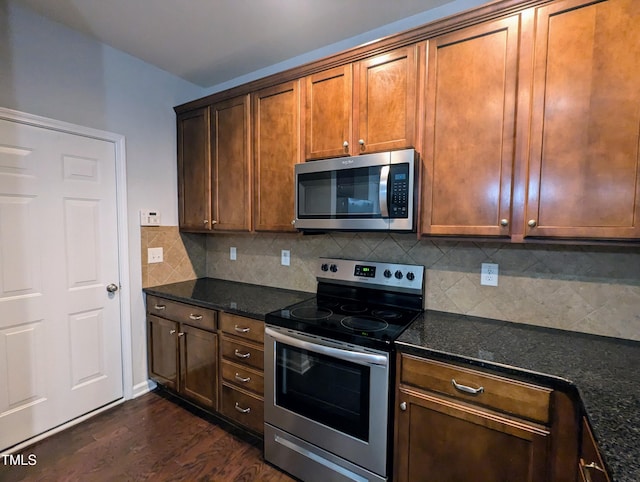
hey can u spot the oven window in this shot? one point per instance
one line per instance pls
(324, 389)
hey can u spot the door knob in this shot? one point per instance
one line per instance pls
(112, 288)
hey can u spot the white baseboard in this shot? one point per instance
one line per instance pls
(143, 387)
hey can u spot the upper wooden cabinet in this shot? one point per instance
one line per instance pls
(231, 160)
(469, 141)
(584, 163)
(276, 138)
(368, 106)
(194, 168)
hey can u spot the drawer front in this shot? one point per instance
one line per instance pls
(247, 410)
(243, 353)
(243, 377)
(498, 393)
(182, 312)
(246, 328)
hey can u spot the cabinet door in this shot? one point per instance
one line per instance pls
(231, 165)
(194, 170)
(276, 124)
(437, 439)
(386, 114)
(470, 128)
(162, 351)
(328, 113)
(584, 166)
(590, 467)
(198, 365)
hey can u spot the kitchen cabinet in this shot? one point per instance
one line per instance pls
(368, 106)
(584, 160)
(590, 467)
(470, 104)
(183, 349)
(194, 170)
(231, 165)
(276, 147)
(454, 424)
(242, 370)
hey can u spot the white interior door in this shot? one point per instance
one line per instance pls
(60, 340)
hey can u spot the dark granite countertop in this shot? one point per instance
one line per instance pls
(244, 299)
(605, 372)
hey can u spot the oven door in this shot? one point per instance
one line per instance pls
(329, 394)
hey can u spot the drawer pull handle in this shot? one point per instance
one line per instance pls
(466, 389)
(160, 307)
(594, 465)
(195, 317)
(239, 354)
(240, 329)
(181, 333)
(242, 410)
(171, 332)
(241, 379)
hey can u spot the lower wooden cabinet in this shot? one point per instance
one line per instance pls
(590, 466)
(440, 436)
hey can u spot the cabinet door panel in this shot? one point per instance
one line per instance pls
(194, 170)
(584, 164)
(470, 130)
(328, 113)
(162, 350)
(231, 165)
(276, 150)
(199, 354)
(441, 440)
(387, 102)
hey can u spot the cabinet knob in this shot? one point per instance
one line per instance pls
(206, 221)
(181, 333)
(532, 223)
(361, 142)
(293, 223)
(214, 222)
(403, 406)
(345, 144)
(171, 332)
(504, 222)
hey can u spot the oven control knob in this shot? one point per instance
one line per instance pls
(398, 274)
(333, 268)
(411, 276)
(387, 273)
(324, 267)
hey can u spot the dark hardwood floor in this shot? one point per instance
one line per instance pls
(148, 438)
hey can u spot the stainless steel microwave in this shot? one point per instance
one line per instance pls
(372, 192)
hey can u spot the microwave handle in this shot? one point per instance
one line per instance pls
(384, 186)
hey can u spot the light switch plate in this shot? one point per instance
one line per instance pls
(285, 257)
(149, 218)
(155, 255)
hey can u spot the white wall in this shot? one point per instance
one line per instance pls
(48, 70)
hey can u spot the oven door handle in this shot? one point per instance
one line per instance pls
(346, 355)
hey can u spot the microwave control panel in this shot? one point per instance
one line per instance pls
(399, 191)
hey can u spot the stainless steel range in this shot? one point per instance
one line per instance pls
(329, 368)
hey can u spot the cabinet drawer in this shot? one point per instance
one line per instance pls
(242, 376)
(243, 327)
(503, 394)
(243, 353)
(182, 312)
(247, 410)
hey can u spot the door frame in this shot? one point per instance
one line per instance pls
(118, 141)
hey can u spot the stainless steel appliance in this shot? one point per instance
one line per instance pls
(329, 368)
(372, 192)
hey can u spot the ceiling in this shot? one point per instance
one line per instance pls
(209, 42)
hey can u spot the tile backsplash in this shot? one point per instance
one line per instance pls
(590, 289)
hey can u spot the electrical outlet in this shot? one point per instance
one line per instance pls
(154, 255)
(489, 274)
(285, 257)
(233, 253)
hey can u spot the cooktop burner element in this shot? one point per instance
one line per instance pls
(364, 323)
(360, 302)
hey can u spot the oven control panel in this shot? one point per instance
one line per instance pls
(373, 274)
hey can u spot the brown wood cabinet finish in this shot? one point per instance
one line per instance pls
(198, 365)
(276, 138)
(194, 170)
(241, 326)
(447, 435)
(242, 407)
(584, 166)
(469, 141)
(590, 466)
(328, 113)
(231, 152)
(162, 351)
(242, 376)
